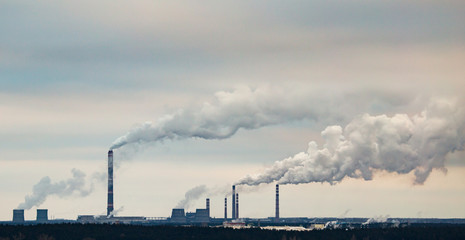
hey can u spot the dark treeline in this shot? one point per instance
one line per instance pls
(106, 231)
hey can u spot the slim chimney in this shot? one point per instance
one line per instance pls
(225, 208)
(277, 203)
(208, 206)
(237, 205)
(233, 202)
(110, 183)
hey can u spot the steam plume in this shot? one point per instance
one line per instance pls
(399, 144)
(243, 108)
(191, 195)
(377, 219)
(197, 192)
(115, 212)
(45, 187)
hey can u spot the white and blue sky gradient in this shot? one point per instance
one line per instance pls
(76, 75)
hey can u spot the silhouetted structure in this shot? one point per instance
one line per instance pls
(110, 183)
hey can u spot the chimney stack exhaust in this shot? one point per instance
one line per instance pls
(225, 208)
(208, 206)
(277, 203)
(233, 202)
(110, 183)
(237, 205)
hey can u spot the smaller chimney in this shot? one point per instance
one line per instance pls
(208, 206)
(233, 216)
(225, 208)
(237, 205)
(277, 203)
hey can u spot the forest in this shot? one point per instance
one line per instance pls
(139, 232)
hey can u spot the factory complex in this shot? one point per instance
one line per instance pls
(201, 216)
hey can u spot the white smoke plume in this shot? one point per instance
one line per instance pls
(75, 185)
(115, 212)
(377, 219)
(192, 195)
(197, 192)
(399, 144)
(246, 108)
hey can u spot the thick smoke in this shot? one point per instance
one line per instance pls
(44, 188)
(399, 144)
(245, 108)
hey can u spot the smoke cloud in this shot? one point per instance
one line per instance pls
(377, 219)
(76, 185)
(399, 144)
(115, 212)
(197, 192)
(246, 108)
(192, 195)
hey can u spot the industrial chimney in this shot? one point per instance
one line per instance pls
(277, 203)
(18, 215)
(225, 208)
(237, 205)
(233, 202)
(110, 183)
(208, 206)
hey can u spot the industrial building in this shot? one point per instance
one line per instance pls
(201, 216)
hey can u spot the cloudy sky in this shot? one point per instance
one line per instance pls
(215, 92)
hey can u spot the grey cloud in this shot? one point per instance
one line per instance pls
(192, 195)
(75, 185)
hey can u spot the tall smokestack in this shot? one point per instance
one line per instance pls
(225, 208)
(277, 203)
(237, 205)
(208, 206)
(233, 202)
(110, 183)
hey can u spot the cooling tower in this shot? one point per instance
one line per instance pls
(110, 183)
(178, 215)
(18, 215)
(42, 215)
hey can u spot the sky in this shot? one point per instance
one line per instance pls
(214, 92)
